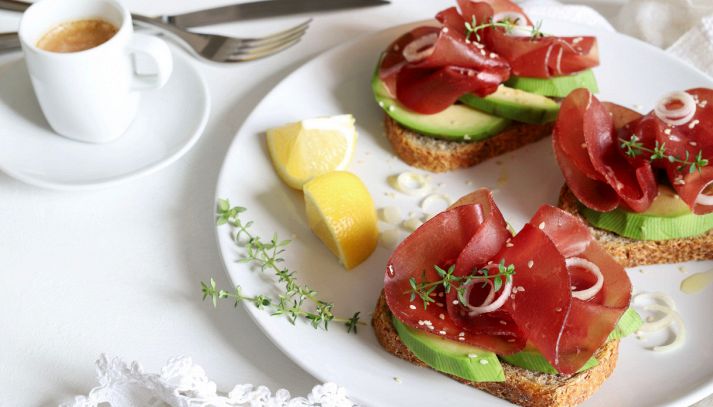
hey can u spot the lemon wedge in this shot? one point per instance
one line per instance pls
(303, 150)
(341, 213)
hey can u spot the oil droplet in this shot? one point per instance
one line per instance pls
(697, 282)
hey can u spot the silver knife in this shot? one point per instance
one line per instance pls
(241, 11)
(262, 9)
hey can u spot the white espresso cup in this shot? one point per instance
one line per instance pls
(91, 95)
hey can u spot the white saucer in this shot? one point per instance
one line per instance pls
(169, 122)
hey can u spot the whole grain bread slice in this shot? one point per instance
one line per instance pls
(632, 253)
(438, 155)
(521, 386)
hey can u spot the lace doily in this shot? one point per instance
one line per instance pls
(184, 384)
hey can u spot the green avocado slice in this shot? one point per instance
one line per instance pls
(515, 104)
(667, 218)
(556, 86)
(443, 355)
(629, 323)
(456, 123)
(531, 359)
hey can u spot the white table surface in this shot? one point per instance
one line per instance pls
(117, 270)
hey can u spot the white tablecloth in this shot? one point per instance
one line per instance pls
(117, 270)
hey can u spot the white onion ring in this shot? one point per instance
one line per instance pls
(489, 305)
(680, 335)
(405, 179)
(663, 297)
(590, 292)
(411, 52)
(703, 198)
(679, 116)
(659, 324)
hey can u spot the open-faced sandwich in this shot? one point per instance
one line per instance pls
(642, 183)
(534, 317)
(484, 81)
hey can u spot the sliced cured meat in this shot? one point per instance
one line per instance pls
(588, 151)
(540, 57)
(483, 246)
(588, 323)
(437, 242)
(429, 68)
(636, 186)
(541, 289)
(688, 139)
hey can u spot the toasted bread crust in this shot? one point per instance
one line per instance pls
(632, 253)
(521, 386)
(437, 155)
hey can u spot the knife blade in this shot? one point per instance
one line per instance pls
(262, 9)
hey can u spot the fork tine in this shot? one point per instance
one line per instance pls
(278, 35)
(266, 45)
(252, 54)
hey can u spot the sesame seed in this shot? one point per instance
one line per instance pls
(490, 262)
(472, 355)
(461, 333)
(573, 288)
(584, 145)
(558, 309)
(577, 40)
(512, 296)
(440, 294)
(694, 124)
(455, 302)
(439, 304)
(431, 327)
(503, 322)
(445, 29)
(466, 137)
(667, 131)
(442, 332)
(493, 55)
(420, 323)
(521, 289)
(693, 143)
(509, 245)
(391, 108)
(461, 339)
(482, 52)
(381, 104)
(541, 226)
(428, 322)
(441, 316)
(412, 306)
(483, 361)
(391, 270)
(530, 264)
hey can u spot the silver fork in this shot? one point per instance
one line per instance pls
(211, 47)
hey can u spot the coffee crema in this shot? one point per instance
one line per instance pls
(77, 35)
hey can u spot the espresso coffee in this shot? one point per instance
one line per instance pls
(78, 35)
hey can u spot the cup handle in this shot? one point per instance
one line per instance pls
(158, 51)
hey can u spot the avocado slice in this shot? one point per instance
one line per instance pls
(531, 359)
(515, 104)
(667, 218)
(556, 86)
(629, 323)
(465, 361)
(456, 123)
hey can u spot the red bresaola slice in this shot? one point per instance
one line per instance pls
(689, 138)
(437, 242)
(541, 290)
(635, 186)
(588, 323)
(429, 68)
(485, 244)
(540, 57)
(597, 172)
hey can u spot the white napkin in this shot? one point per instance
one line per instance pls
(181, 383)
(685, 27)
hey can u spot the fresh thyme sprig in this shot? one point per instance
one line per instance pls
(473, 28)
(634, 147)
(423, 289)
(297, 301)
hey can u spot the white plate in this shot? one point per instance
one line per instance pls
(169, 122)
(632, 73)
